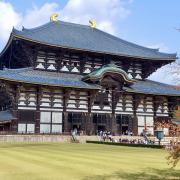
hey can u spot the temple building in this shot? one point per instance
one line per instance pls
(61, 76)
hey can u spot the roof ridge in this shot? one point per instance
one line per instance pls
(46, 25)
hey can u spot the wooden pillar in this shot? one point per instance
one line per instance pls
(131, 121)
(155, 108)
(89, 124)
(89, 116)
(14, 124)
(66, 129)
(136, 101)
(66, 96)
(114, 101)
(38, 98)
(113, 124)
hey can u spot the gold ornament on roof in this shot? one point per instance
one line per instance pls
(53, 17)
(92, 23)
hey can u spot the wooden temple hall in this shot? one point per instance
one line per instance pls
(61, 76)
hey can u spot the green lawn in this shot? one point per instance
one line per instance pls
(49, 161)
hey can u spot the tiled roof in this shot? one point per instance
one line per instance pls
(153, 87)
(28, 75)
(5, 116)
(85, 38)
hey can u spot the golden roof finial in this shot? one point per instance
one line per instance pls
(53, 17)
(92, 23)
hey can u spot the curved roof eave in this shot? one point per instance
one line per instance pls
(13, 34)
(108, 70)
(7, 44)
(159, 94)
(46, 84)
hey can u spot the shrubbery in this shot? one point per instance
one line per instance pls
(127, 144)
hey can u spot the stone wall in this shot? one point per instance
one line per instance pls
(67, 139)
(34, 138)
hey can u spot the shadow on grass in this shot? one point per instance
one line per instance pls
(148, 174)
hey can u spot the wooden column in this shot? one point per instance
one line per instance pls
(66, 129)
(89, 124)
(66, 96)
(136, 102)
(38, 98)
(114, 100)
(14, 124)
(89, 116)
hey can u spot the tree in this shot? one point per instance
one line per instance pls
(174, 154)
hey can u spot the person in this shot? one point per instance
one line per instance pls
(131, 133)
(110, 137)
(74, 133)
(104, 136)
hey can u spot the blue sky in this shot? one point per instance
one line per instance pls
(148, 23)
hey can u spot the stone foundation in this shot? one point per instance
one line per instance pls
(67, 139)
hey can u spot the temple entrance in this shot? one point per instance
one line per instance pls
(124, 122)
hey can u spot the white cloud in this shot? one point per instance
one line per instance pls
(8, 18)
(169, 74)
(107, 13)
(38, 16)
(164, 75)
(33, 17)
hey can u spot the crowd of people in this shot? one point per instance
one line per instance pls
(106, 136)
(136, 141)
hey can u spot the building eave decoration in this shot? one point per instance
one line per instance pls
(100, 73)
(92, 23)
(53, 17)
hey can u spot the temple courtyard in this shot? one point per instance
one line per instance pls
(66, 161)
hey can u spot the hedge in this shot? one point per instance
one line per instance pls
(127, 144)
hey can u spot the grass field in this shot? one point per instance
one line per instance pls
(52, 161)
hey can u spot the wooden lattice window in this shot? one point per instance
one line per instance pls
(26, 116)
(99, 118)
(75, 118)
